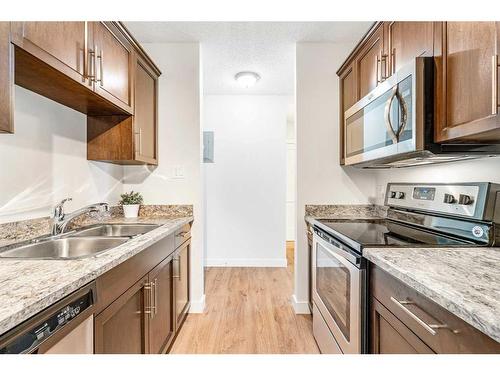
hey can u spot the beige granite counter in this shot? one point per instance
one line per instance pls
(465, 281)
(29, 286)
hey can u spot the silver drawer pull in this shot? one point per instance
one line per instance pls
(183, 234)
(428, 327)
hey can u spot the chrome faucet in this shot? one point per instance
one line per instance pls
(60, 220)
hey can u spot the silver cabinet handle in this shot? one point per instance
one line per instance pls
(377, 63)
(428, 327)
(101, 73)
(387, 116)
(148, 299)
(176, 270)
(494, 85)
(91, 65)
(155, 297)
(183, 234)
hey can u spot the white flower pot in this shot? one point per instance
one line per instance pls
(131, 210)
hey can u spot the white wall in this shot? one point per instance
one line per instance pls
(482, 170)
(179, 144)
(45, 160)
(246, 186)
(320, 179)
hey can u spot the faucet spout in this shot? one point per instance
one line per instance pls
(61, 220)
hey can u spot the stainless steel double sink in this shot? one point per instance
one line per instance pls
(81, 243)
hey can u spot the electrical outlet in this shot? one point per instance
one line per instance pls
(380, 193)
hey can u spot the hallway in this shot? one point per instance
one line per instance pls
(248, 311)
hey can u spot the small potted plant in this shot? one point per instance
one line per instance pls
(131, 203)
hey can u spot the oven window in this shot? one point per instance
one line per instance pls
(333, 282)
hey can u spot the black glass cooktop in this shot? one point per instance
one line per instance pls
(380, 232)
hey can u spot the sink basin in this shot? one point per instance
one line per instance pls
(64, 248)
(115, 230)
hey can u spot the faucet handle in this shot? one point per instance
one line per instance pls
(59, 208)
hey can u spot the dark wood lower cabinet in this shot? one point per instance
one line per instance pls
(390, 336)
(143, 302)
(405, 321)
(161, 323)
(181, 281)
(123, 327)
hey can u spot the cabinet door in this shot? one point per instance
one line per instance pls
(370, 63)
(407, 40)
(347, 99)
(161, 324)
(62, 45)
(113, 65)
(391, 336)
(145, 113)
(467, 81)
(181, 277)
(122, 328)
(6, 80)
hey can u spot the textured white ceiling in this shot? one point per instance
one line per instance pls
(267, 48)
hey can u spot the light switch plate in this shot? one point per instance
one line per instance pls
(178, 171)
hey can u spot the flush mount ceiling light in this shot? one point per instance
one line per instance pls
(247, 79)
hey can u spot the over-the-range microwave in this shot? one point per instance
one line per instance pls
(392, 126)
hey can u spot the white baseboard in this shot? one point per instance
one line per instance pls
(246, 262)
(300, 307)
(197, 307)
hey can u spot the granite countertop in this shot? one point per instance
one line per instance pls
(29, 286)
(465, 281)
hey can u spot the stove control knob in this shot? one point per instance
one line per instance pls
(392, 194)
(464, 199)
(448, 198)
(400, 195)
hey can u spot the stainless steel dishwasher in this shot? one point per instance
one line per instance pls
(66, 327)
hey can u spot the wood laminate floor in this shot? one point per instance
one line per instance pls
(248, 311)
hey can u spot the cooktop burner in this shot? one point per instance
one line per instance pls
(384, 232)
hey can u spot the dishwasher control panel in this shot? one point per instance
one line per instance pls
(28, 337)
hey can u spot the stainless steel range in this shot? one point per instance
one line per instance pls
(419, 215)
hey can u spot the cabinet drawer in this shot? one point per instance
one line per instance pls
(438, 328)
(182, 235)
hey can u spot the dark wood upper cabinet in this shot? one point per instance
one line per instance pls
(162, 324)
(114, 64)
(129, 139)
(406, 40)
(62, 45)
(6, 80)
(371, 63)
(146, 112)
(466, 55)
(122, 328)
(348, 97)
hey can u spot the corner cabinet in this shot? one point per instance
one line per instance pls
(143, 302)
(96, 68)
(403, 321)
(129, 139)
(467, 84)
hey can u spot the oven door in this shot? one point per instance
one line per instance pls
(384, 123)
(337, 293)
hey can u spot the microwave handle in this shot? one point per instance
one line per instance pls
(387, 116)
(404, 113)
